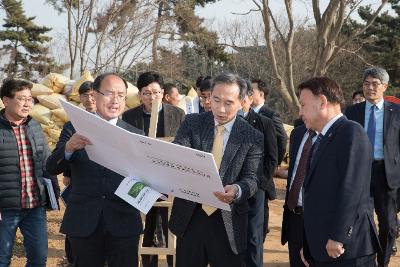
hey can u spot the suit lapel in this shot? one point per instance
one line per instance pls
(387, 117)
(295, 149)
(324, 142)
(139, 118)
(360, 114)
(167, 120)
(232, 146)
(207, 133)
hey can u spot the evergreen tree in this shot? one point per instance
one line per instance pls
(381, 41)
(24, 42)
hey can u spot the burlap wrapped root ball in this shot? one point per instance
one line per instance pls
(55, 82)
(40, 89)
(51, 101)
(86, 76)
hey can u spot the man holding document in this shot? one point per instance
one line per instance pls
(101, 226)
(206, 235)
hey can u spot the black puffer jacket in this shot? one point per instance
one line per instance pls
(10, 177)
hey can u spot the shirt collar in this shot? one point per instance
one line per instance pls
(228, 126)
(149, 113)
(112, 121)
(379, 105)
(330, 123)
(257, 108)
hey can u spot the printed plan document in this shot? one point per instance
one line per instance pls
(165, 167)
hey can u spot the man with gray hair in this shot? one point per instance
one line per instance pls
(381, 121)
(206, 235)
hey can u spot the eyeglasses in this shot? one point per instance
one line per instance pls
(87, 95)
(155, 93)
(204, 99)
(23, 100)
(374, 84)
(111, 95)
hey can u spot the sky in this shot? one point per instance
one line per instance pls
(216, 13)
(217, 16)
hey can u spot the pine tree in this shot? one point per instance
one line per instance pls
(381, 41)
(24, 42)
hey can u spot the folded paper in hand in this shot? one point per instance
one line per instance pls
(51, 197)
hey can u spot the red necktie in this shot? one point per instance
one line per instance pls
(300, 172)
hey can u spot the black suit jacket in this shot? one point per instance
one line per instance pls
(391, 137)
(240, 165)
(173, 117)
(294, 144)
(337, 199)
(92, 196)
(281, 137)
(266, 127)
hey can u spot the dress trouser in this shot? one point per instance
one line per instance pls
(101, 247)
(205, 241)
(255, 230)
(385, 202)
(149, 234)
(366, 261)
(295, 230)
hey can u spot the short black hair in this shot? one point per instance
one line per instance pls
(206, 84)
(85, 87)
(358, 92)
(101, 77)
(168, 88)
(11, 86)
(324, 86)
(149, 77)
(262, 86)
(249, 91)
(199, 80)
(230, 78)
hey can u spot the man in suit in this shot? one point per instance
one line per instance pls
(381, 121)
(206, 235)
(171, 94)
(339, 227)
(101, 226)
(150, 85)
(259, 210)
(86, 96)
(260, 95)
(292, 222)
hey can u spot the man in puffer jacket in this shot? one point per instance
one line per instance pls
(23, 154)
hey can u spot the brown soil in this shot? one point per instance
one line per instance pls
(275, 255)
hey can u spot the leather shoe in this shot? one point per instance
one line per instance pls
(394, 250)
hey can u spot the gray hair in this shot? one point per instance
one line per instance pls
(377, 73)
(230, 78)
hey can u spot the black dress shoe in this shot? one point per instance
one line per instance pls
(394, 250)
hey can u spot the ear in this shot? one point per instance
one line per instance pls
(323, 101)
(5, 100)
(385, 86)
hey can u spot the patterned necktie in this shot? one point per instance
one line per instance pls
(218, 146)
(300, 172)
(372, 126)
(314, 148)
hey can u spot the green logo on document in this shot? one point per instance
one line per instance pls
(135, 189)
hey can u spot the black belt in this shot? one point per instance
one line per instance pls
(298, 210)
(379, 162)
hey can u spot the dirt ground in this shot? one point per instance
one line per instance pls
(275, 255)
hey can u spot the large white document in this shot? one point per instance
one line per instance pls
(168, 168)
